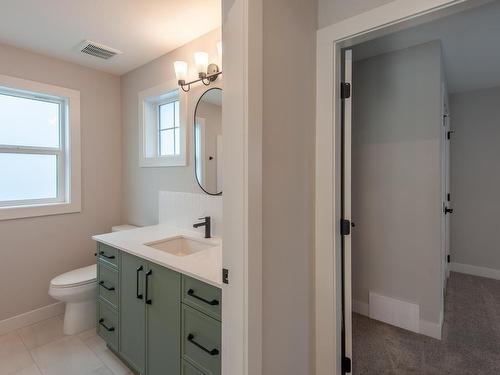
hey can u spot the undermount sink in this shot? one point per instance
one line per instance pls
(180, 246)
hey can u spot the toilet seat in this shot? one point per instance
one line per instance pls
(78, 277)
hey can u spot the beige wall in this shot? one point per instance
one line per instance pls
(332, 11)
(396, 180)
(288, 179)
(475, 181)
(141, 185)
(34, 250)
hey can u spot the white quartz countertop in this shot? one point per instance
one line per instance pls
(205, 265)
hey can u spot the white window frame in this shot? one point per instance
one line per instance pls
(159, 129)
(149, 102)
(68, 198)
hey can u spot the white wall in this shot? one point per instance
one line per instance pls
(34, 250)
(475, 181)
(288, 186)
(332, 11)
(141, 185)
(396, 194)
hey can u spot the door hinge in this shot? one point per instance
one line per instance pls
(448, 197)
(345, 227)
(448, 258)
(448, 135)
(345, 90)
(346, 365)
(225, 276)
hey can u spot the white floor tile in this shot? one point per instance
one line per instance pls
(66, 356)
(13, 354)
(98, 346)
(32, 370)
(87, 334)
(42, 333)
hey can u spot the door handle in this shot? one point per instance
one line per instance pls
(148, 300)
(448, 210)
(137, 294)
(110, 288)
(192, 341)
(106, 255)
(109, 329)
(213, 302)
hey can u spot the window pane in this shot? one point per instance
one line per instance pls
(177, 141)
(167, 116)
(28, 122)
(176, 119)
(167, 142)
(27, 176)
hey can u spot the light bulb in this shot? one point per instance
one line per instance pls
(201, 62)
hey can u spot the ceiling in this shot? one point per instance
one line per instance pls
(142, 29)
(470, 42)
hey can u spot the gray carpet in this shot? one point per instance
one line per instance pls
(470, 344)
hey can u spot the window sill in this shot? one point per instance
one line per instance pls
(21, 212)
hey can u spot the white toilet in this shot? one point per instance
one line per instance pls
(78, 289)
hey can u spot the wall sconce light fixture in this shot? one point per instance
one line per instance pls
(207, 73)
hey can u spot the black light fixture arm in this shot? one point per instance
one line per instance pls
(205, 78)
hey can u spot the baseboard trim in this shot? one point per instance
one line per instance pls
(360, 307)
(31, 317)
(475, 270)
(432, 329)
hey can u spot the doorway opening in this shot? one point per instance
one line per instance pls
(420, 135)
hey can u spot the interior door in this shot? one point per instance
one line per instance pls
(346, 224)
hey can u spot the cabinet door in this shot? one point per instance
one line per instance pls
(163, 321)
(133, 311)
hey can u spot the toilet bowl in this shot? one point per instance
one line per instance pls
(78, 289)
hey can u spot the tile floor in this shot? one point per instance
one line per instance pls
(43, 349)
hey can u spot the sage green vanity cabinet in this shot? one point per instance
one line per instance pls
(163, 317)
(158, 321)
(133, 311)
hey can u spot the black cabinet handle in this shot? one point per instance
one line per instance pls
(109, 329)
(213, 302)
(148, 300)
(106, 255)
(137, 294)
(110, 288)
(211, 352)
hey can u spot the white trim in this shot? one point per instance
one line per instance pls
(73, 187)
(475, 270)
(398, 14)
(242, 208)
(31, 317)
(147, 98)
(432, 329)
(395, 312)
(360, 307)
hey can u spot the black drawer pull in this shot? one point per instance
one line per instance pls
(137, 294)
(211, 352)
(102, 253)
(109, 329)
(213, 302)
(110, 288)
(148, 300)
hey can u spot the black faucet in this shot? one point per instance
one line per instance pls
(205, 223)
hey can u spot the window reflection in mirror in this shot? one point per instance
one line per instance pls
(208, 141)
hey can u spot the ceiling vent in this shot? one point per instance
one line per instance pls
(98, 50)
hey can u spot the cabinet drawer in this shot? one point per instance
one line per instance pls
(189, 369)
(108, 284)
(107, 324)
(201, 340)
(201, 296)
(108, 254)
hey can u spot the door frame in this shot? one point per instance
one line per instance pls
(394, 16)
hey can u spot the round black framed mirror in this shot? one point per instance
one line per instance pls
(208, 141)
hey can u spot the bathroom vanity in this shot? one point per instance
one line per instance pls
(159, 300)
